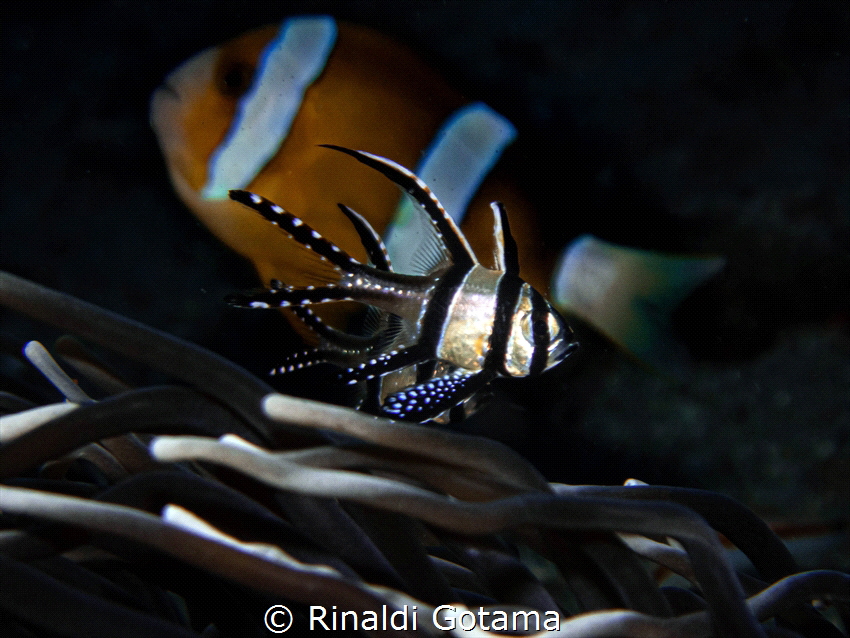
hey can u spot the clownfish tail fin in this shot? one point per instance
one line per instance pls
(629, 295)
(298, 230)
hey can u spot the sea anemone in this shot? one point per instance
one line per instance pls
(200, 506)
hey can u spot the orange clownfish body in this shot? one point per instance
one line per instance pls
(251, 114)
(219, 122)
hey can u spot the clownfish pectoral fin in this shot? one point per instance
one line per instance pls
(298, 230)
(506, 256)
(629, 295)
(370, 239)
(455, 243)
(431, 398)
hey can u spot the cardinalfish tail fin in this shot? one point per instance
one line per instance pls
(629, 295)
(455, 243)
(341, 347)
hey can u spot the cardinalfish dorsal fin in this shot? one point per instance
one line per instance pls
(371, 240)
(454, 166)
(458, 248)
(298, 230)
(358, 282)
(506, 255)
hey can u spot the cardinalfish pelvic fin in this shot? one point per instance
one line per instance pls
(465, 323)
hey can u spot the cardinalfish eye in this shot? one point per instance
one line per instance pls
(538, 338)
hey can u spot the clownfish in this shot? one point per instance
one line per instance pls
(251, 114)
(470, 322)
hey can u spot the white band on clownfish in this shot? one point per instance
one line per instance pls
(462, 153)
(289, 65)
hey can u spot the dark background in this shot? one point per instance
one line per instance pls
(719, 128)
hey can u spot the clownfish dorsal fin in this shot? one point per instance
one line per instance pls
(458, 248)
(505, 254)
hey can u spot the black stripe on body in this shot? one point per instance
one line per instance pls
(506, 299)
(428, 339)
(426, 370)
(456, 244)
(435, 318)
(540, 333)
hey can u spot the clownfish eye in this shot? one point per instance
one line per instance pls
(235, 79)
